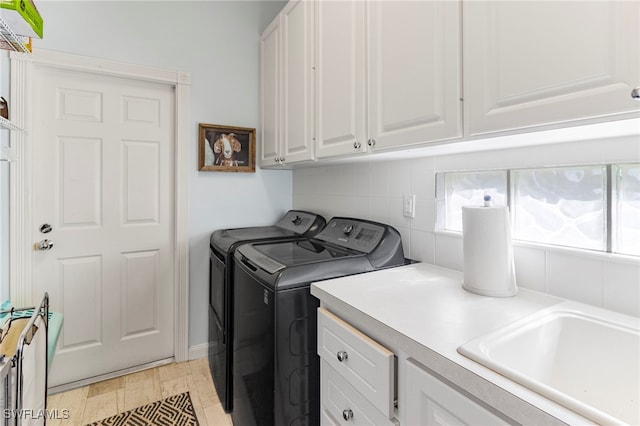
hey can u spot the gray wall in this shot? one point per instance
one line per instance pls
(217, 42)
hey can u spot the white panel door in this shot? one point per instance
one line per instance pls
(414, 72)
(104, 182)
(535, 63)
(341, 94)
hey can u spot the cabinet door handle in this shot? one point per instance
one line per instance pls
(371, 142)
(342, 356)
(635, 93)
(347, 414)
(356, 145)
(281, 160)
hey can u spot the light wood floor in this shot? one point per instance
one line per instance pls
(104, 399)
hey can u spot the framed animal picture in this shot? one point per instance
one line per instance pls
(226, 148)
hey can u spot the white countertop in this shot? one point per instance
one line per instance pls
(424, 310)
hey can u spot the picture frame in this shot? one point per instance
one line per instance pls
(226, 148)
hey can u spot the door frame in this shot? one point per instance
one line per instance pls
(24, 68)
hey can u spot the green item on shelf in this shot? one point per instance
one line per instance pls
(22, 17)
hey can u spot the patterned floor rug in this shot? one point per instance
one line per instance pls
(176, 410)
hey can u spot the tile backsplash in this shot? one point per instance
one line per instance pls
(374, 190)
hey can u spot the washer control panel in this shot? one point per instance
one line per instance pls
(301, 222)
(353, 234)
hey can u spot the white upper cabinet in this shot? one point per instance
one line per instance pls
(341, 85)
(269, 95)
(344, 77)
(287, 86)
(298, 81)
(414, 72)
(388, 74)
(546, 63)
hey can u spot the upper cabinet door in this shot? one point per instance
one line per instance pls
(296, 20)
(341, 83)
(269, 94)
(535, 63)
(414, 71)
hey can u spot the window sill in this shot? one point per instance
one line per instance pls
(572, 251)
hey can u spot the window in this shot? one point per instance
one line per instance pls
(464, 189)
(595, 207)
(563, 206)
(626, 209)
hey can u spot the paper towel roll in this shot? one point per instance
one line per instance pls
(488, 252)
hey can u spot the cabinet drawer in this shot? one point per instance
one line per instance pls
(340, 399)
(364, 364)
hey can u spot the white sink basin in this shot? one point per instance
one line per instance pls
(584, 358)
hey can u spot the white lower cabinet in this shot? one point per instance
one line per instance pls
(342, 404)
(357, 375)
(359, 380)
(429, 401)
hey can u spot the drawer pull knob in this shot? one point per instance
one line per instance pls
(342, 355)
(347, 414)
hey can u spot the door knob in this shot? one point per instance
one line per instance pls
(635, 93)
(44, 245)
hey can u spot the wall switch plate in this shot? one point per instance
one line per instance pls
(409, 205)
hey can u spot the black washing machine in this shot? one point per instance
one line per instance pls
(276, 368)
(293, 225)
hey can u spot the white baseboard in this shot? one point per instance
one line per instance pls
(88, 381)
(200, 351)
(195, 352)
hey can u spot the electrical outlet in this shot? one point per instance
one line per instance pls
(409, 205)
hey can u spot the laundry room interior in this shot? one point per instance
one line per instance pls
(320, 212)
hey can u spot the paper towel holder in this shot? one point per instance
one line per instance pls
(488, 267)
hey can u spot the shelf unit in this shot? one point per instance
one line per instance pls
(15, 42)
(11, 41)
(6, 124)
